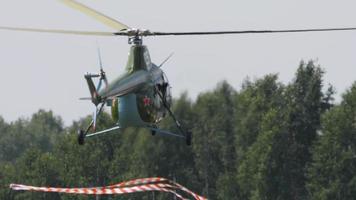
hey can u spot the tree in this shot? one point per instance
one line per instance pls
(44, 128)
(85, 165)
(40, 132)
(3, 127)
(258, 173)
(251, 104)
(260, 125)
(305, 103)
(332, 174)
(267, 141)
(276, 162)
(214, 138)
(7, 176)
(36, 168)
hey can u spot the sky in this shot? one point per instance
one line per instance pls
(45, 71)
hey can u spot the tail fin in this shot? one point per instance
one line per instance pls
(95, 98)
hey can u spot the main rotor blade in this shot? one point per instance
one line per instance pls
(58, 31)
(96, 15)
(249, 31)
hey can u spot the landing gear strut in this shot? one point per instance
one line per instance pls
(153, 132)
(81, 133)
(81, 137)
(188, 138)
(186, 134)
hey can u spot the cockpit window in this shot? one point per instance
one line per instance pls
(147, 58)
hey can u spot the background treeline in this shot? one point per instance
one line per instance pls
(266, 141)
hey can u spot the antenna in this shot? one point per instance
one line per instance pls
(166, 59)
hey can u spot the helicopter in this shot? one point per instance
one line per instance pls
(141, 96)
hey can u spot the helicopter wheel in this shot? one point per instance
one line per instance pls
(81, 137)
(153, 133)
(188, 138)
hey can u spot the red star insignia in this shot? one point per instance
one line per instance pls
(146, 101)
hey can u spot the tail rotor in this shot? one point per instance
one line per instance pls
(102, 78)
(101, 74)
(97, 100)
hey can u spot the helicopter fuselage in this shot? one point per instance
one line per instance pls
(138, 96)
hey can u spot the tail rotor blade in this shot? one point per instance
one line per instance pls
(102, 72)
(106, 81)
(99, 57)
(94, 118)
(99, 84)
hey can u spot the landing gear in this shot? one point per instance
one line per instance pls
(153, 132)
(161, 92)
(188, 138)
(81, 133)
(81, 137)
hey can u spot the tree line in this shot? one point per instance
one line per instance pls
(268, 140)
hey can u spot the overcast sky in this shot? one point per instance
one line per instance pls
(46, 70)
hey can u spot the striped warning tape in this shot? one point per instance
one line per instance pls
(140, 181)
(154, 180)
(99, 191)
(132, 186)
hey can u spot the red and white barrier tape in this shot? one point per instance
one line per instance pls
(132, 186)
(140, 181)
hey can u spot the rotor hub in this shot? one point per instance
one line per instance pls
(135, 35)
(135, 40)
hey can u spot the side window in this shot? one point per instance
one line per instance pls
(147, 58)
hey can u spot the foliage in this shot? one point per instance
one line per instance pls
(332, 174)
(267, 140)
